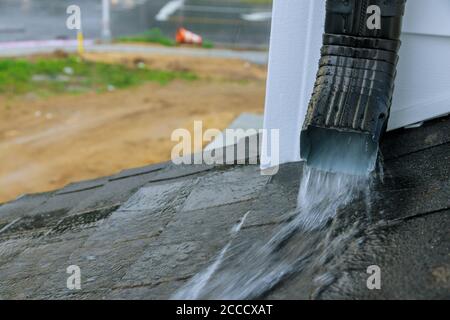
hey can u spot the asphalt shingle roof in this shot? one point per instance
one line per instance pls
(145, 232)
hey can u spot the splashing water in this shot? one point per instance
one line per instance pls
(199, 281)
(321, 193)
(244, 270)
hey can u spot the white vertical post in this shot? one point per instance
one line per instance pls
(106, 20)
(295, 41)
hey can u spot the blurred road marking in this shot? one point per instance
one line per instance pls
(203, 20)
(20, 48)
(170, 8)
(257, 16)
(33, 47)
(12, 30)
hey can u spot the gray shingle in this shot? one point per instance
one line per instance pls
(225, 188)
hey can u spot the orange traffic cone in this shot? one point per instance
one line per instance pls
(186, 36)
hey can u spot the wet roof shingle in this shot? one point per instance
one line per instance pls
(145, 232)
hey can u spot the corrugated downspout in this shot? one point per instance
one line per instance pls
(352, 96)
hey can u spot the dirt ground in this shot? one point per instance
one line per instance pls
(48, 143)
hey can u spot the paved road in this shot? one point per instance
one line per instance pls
(34, 47)
(233, 22)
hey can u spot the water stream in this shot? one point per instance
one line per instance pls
(244, 270)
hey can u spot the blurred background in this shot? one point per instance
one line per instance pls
(235, 23)
(82, 105)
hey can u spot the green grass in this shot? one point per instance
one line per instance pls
(156, 36)
(207, 44)
(151, 36)
(46, 76)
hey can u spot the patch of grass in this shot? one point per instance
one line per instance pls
(207, 44)
(156, 36)
(46, 76)
(151, 36)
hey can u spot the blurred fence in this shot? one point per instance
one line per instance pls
(237, 23)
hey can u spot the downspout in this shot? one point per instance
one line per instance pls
(349, 109)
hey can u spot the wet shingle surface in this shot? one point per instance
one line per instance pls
(143, 233)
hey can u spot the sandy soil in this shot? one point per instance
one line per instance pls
(47, 143)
